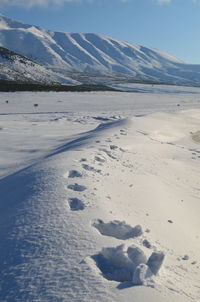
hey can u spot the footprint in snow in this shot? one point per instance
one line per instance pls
(118, 229)
(90, 168)
(99, 159)
(123, 132)
(108, 153)
(77, 187)
(74, 173)
(113, 147)
(130, 264)
(83, 159)
(76, 204)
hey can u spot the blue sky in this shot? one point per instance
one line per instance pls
(172, 26)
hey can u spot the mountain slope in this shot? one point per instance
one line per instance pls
(19, 68)
(94, 54)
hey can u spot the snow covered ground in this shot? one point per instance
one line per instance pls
(92, 185)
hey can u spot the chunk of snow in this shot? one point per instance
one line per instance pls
(140, 274)
(146, 243)
(136, 255)
(155, 261)
(117, 256)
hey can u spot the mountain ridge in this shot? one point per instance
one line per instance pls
(94, 54)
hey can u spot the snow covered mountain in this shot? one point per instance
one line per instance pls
(93, 54)
(19, 68)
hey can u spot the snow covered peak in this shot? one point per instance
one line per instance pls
(9, 23)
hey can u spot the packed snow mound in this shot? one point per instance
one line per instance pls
(122, 264)
(93, 54)
(19, 68)
(155, 261)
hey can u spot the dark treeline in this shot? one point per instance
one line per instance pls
(10, 86)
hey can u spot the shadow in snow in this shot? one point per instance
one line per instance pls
(84, 137)
(125, 285)
(81, 140)
(29, 225)
(112, 271)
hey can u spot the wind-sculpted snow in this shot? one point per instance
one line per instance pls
(40, 241)
(94, 54)
(63, 222)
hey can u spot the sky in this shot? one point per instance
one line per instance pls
(169, 25)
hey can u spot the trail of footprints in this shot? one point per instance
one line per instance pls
(134, 265)
(119, 263)
(75, 203)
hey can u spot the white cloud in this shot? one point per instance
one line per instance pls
(31, 3)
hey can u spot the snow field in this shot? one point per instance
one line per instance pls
(157, 205)
(129, 171)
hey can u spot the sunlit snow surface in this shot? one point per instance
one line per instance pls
(125, 159)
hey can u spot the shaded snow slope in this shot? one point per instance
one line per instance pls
(76, 181)
(94, 54)
(16, 67)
